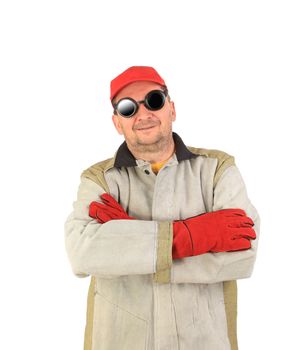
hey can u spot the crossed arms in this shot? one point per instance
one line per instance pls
(203, 249)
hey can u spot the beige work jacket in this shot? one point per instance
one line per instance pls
(139, 298)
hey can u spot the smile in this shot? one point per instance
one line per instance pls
(146, 128)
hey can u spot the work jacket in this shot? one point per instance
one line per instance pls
(139, 298)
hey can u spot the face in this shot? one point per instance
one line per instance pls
(146, 129)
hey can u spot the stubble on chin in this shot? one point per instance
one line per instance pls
(159, 144)
(156, 145)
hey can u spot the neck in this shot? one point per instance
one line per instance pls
(153, 153)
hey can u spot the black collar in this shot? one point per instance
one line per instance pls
(125, 158)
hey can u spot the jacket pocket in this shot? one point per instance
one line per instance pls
(117, 329)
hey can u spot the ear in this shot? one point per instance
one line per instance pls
(117, 124)
(173, 112)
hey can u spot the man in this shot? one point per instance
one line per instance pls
(165, 230)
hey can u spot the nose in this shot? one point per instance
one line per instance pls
(143, 112)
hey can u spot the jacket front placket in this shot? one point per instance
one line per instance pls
(165, 332)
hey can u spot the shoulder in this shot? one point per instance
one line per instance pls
(224, 160)
(221, 156)
(96, 172)
(99, 167)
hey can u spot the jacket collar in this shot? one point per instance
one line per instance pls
(124, 157)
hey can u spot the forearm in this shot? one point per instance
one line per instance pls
(230, 192)
(118, 247)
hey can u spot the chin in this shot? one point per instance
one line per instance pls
(149, 140)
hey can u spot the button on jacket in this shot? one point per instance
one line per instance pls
(139, 298)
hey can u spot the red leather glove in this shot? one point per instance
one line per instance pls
(110, 209)
(219, 231)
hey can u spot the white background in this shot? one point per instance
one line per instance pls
(237, 71)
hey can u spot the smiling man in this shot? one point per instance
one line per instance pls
(163, 229)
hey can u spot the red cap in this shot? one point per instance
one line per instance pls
(133, 74)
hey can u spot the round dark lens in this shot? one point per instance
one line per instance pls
(126, 108)
(155, 100)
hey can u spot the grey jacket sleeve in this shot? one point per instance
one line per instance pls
(118, 247)
(230, 192)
